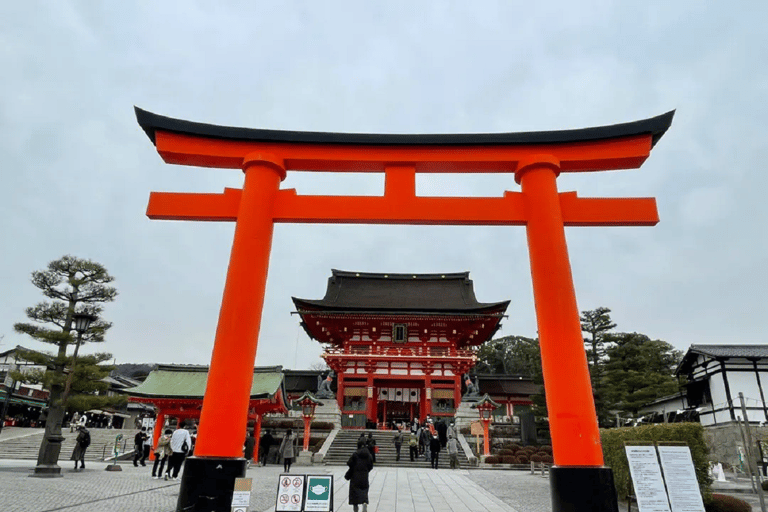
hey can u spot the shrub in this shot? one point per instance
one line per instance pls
(691, 434)
(764, 485)
(513, 447)
(523, 459)
(321, 425)
(535, 457)
(546, 448)
(723, 503)
(547, 459)
(503, 452)
(492, 459)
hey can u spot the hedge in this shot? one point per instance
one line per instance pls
(725, 503)
(691, 434)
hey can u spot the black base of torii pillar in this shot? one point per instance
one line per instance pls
(582, 489)
(208, 483)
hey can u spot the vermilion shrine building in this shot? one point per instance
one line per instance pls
(399, 343)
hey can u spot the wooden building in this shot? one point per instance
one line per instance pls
(399, 344)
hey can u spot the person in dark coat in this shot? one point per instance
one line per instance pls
(266, 441)
(442, 432)
(360, 464)
(138, 447)
(434, 449)
(371, 444)
(250, 444)
(81, 444)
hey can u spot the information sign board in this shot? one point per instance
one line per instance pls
(319, 493)
(290, 493)
(680, 475)
(241, 494)
(646, 478)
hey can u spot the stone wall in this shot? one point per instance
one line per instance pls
(724, 440)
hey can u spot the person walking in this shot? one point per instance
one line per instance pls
(181, 442)
(398, 440)
(425, 441)
(248, 447)
(360, 464)
(413, 445)
(82, 442)
(434, 448)
(266, 442)
(287, 450)
(453, 451)
(371, 444)
(442, 432)
(147, 445)
(162, 453)
(138, 447)
(451, 431)
(73, 423)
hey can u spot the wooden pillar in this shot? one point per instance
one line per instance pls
(225, 408)
(157, 432)
(257, 436)
(370, 402)
(571, 407)
(340, 390)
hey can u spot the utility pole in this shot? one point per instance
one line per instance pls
(752, 459)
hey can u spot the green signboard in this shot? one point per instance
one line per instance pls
(319, 493)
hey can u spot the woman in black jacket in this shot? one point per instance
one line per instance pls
(360, 464)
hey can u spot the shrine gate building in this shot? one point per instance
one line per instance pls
(399, 343)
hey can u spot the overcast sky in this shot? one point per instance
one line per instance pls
(77, 170)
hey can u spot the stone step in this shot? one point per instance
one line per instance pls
(345, 444)
(27, 447)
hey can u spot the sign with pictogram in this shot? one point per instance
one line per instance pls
(319, 493)
(290, 493)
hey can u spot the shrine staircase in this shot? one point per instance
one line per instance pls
(345, 444)
(24, 443)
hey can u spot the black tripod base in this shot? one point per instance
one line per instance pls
(207, 483)
(583, 489)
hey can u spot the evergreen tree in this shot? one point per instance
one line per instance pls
(515, 355)
(72, 285)
(597, 322)
(639, 370)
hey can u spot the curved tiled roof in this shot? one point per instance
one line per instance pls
(373, 292)
(188, 381)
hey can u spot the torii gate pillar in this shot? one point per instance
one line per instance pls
(579, 481)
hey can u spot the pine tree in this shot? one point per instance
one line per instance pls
(72, 285)
(597, 322)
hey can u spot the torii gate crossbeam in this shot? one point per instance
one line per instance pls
(536, 159)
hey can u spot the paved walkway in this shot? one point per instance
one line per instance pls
(392, 490)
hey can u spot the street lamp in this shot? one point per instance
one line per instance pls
(48, 456)
(485, 407)
(82, 322)
(308, 403)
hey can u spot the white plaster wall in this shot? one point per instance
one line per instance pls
(745, 383)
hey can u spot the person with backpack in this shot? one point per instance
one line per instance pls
(398, 440)
(413, 445)
(82, 443)
(181, 442)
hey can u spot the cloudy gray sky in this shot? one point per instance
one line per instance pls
(76, 169)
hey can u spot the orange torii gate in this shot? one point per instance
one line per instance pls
(579, 478)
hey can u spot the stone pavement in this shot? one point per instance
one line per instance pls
(392, 489)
